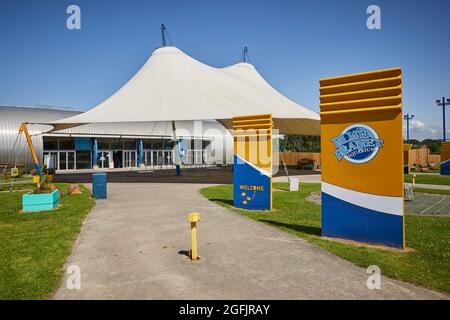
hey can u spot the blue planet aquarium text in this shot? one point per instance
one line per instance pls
(357, 144)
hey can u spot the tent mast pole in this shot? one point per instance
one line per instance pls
(177, 156)
(163, 35)
(23, 128)
(245, 55)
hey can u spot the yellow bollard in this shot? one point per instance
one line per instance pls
(414, 180)
(37, 181)
(193, 218)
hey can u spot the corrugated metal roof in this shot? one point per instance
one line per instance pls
(10, 119)
(145, 129)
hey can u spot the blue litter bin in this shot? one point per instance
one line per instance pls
(99, 185)
(445, 168)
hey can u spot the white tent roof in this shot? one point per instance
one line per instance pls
(173, 86)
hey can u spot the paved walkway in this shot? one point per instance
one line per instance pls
(302, 178)
(317, 178)
(132, 247)
(431, 186)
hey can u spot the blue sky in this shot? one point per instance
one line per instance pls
(292, 44)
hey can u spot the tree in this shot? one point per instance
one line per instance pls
(295, 143)
(433, 145)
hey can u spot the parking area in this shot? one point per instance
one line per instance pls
(430, 204)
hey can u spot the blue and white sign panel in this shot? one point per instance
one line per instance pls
(252, 186)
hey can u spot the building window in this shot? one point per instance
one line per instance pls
(70, 160)
(66, 144)
(196, 144)
(157, 144)
(83, 159)
(129, 144)
(103, 144)
(168, 144)
(116, 144)
(51, 160)
(50, 143)
(147, 144)
(62, 161)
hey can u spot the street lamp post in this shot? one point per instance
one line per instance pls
(407, 117)
(443, 103)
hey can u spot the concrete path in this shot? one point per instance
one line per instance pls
(432, 186)
(317, 178)
(132, 246)
(301, 178)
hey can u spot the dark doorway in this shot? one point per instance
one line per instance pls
(117, 158)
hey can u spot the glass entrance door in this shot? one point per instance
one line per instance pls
(63, 161)
(129, 158)
(103, 159)
(158, 157)
(71, 160)
(148, 158)
(66, 160)
(168, 159)
(198, 156)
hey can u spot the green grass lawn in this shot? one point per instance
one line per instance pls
(22, 186)
(427, 264)
(429, 179)
(23, 177)
(34, 246)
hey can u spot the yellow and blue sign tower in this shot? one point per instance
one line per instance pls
(362, 157)
(252, 178)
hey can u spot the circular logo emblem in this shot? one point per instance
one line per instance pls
(358, 143)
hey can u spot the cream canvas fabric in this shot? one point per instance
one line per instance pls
(172, 86)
